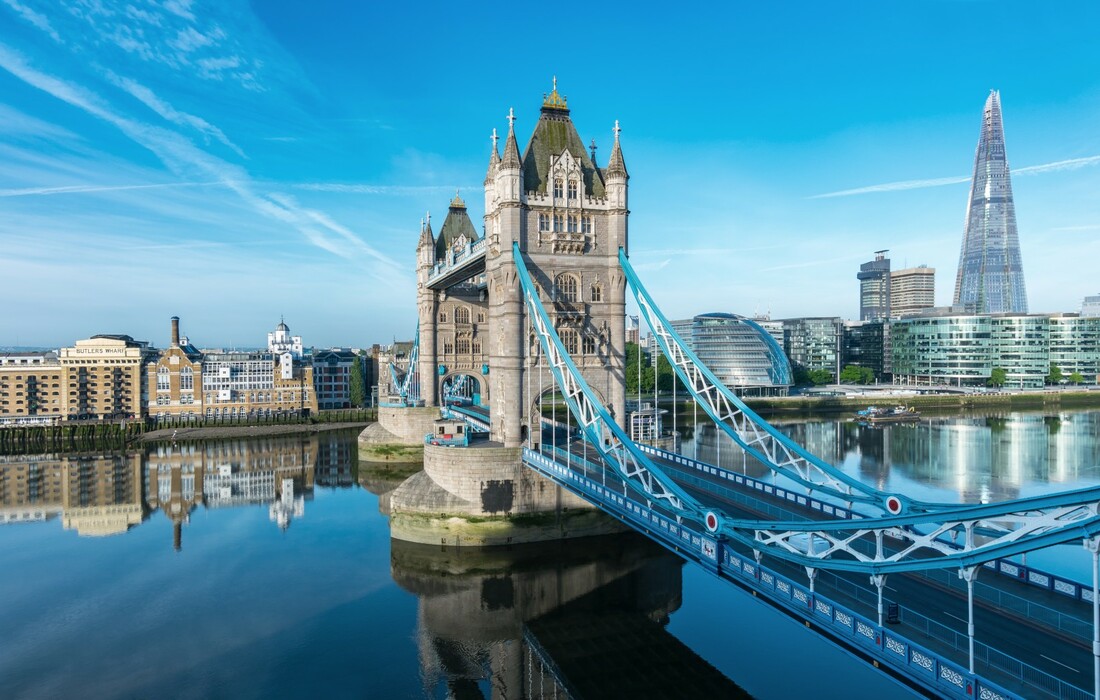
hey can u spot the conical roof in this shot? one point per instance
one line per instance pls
(554, 134)
(456, 227)
(616, 165)
(494, 159)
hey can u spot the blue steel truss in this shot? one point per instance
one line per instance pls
(920, 540)
(407, 386)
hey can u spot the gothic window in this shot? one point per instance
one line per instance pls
(462, 315)
(475, 347)
(589, 345)
(462, 346)
(187, 378)
(566, 286)
(481, 317)
(442, 316)
(572, 224)
(448, 347)
(162, 379)
(544, 222)
(572, 189)
(559, 223)
(569, 340)
(558, 188)
(586, 224)
(597, 292)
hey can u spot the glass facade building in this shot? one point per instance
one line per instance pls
(742, 354)
(990, 277)
(962, 350)
(813, 343)
(874, 288)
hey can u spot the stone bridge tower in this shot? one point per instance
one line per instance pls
(569, 217)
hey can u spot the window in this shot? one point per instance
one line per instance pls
(569, 340)
(448, 347)
(589, 345)
(597, 292)
(475, 347)
(544, 222)
(559, 223)
(187, 378)
(558, 188)
(572, 189)
(481, 317)
(442, 316)
(462, 346)
(586, 224)
(566, 286)
(572, 224)
(462, 315)
(162, 379)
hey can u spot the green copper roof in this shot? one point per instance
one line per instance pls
(555, 133)
(456, 225)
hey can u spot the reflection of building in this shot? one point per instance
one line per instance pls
(101, 494)
(287, 505)
(30, 488)
(335, 459)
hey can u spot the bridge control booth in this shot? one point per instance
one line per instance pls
(449, 432)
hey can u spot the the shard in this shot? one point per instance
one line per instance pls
(991, 276)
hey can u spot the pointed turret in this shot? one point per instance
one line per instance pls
(555, 134)
(494, 159)
(425, 247)
(457, 232)
(616, 174)
(510, 173)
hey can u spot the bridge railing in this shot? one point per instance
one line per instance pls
(1019, 605)
(928, 668)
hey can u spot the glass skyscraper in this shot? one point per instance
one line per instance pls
(990, 278)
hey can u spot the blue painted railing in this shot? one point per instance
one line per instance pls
(924, 666)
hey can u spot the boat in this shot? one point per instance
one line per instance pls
(895, 414)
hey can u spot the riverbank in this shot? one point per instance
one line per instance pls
(232, 431)
(1054, 399)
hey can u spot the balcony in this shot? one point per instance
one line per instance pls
(568, 242)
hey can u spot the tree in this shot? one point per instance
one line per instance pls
(820, 377)
(1076, 378)
(358, 388)
(854, 374)
(997, 377)
(1055, 376)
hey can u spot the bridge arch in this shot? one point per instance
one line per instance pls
(464, 386)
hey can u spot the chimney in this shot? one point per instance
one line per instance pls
(175, 331)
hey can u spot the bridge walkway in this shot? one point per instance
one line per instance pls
(932, 615)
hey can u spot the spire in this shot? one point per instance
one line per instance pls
(554, 100)
(511, 148)
(616, 165)
(426, 238)
(990, 277)
(494, 159)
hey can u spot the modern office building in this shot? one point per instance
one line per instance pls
(945, 347)
(813, 343)
(912, 290)
(866, 344)
(1091, 306)
(990, 277)
(874, 288)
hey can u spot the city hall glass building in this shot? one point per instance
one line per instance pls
(741, 353)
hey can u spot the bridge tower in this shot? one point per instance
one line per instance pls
(569, 217)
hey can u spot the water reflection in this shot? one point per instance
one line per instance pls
(107, 494)
(968, 458)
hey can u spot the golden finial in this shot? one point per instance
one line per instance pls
(554, 100)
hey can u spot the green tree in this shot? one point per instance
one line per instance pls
(851, 374)
(820, 377)
(997, 377)
(1076, 378)
(358, 381)
(1055, 375)
(800, 376)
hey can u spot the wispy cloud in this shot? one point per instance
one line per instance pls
(1071, 164)
(188, 161)
(161, 107)
(810, 263)
(380, 189)
(83, 189)
(653, 266)
(34, 18)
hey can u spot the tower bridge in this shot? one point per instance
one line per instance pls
(535, 306)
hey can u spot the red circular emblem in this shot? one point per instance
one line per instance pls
(893, 504)
(712, 522)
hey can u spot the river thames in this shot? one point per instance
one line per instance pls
(264, 568)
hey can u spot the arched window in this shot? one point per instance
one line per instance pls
(558, 188)
(481, 317)
(442, 315)
(187, 378)
(462, 346)
(589, 345)
(597, 292)
(566, 286)
(462, 314)
(572, 189)
(569, 340)
(162, 379)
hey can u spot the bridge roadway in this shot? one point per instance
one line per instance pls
(932, 614)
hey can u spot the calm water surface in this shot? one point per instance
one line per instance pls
(264, 568)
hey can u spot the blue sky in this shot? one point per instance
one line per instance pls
(230, 163)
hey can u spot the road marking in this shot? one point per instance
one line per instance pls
(1059, 663)
(954, 616)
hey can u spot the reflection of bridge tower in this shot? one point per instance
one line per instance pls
(569, 218)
